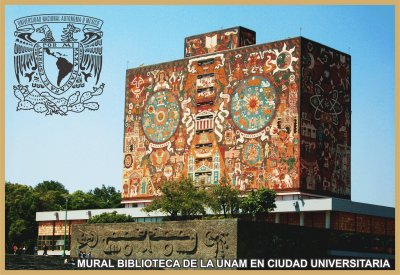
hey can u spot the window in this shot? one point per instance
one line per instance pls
(206, 62)
(52, 242)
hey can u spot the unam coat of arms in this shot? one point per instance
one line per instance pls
(57, 60)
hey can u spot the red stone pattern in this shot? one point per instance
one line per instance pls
(343, 221)
(378, 225)
(319, 219)
(325, 120)
(290, 219)
(314, 219)
(390, 227)
(308, 219)
(363, 223)
(56, 228)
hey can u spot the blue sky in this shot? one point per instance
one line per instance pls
(84, 150)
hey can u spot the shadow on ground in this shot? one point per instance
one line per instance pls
(35, 262)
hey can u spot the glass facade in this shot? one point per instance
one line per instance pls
(52, 242)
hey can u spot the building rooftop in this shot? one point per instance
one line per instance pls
(299, 205)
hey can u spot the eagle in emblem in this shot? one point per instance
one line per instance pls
(92, 58)
(25, 63)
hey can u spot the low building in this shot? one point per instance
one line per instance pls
(334, 214)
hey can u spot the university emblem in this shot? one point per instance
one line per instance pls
(58, 62)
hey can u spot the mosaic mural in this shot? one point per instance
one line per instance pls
(325, 123)
(217, 41)
(236, 114)
(232, 114)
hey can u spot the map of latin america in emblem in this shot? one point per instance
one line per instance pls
(58, 62)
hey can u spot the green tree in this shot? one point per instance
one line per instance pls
(81, 200)
(259, 202)
(223, 198)
(180, 199)
(107, 197)
(52, 195)
(19, 230)
(21, 204)
(51, 185)
(112, 217)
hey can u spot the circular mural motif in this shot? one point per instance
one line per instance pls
(252, 153)
(160, 116)
(253, 104)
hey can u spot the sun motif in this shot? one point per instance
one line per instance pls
(284, 59)
(253, 103)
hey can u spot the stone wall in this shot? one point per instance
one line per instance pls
(203, 239)
(219, 239)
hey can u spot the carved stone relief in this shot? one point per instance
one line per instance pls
(189, 239)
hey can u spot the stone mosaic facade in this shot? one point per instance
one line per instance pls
(273, 115)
